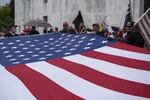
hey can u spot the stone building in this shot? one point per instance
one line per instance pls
(58, 11)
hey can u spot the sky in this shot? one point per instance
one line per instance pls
(3, 2)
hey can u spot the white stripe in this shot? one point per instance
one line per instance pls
(77, 85)
(119, 71)
(144, 33)
(146, 25)
(11, 88)
(124, 53)
(148, 19)
(143, 30)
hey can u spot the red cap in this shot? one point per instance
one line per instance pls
(65, 24)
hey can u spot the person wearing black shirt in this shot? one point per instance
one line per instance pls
(135, 38)
(33, 31)
(65, 28)
(133, 35)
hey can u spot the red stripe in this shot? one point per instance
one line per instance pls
(143, 25)
(132, 63)
(143, 34)
(102, 79)
(40, 86)
(147, 20)
(124, 46)
(145, 29)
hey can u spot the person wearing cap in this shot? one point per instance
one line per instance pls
(65, 28)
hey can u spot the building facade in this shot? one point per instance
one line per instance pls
(58, 11)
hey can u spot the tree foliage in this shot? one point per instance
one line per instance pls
(7, 15)
(12, 7)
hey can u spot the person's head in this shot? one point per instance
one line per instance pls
(65, 26)
(51, 30)
(33, 28)
(129, 26)
(56, 29)
(95, 27)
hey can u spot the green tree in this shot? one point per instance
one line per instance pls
(5, 16)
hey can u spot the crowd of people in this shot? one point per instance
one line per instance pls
(8, 32)
(129, 34)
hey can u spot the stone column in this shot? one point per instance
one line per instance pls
(137, 9)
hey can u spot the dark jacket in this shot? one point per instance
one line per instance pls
(11, 34)
(33, 32)
(64, 31)
(135, 38)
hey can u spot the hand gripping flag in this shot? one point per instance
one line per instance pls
(72, 67)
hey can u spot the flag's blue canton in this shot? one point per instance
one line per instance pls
(21, 50)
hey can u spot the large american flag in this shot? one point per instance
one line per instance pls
(144, 26)
(72, 67)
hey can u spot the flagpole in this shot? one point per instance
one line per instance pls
(103, 21)
(142, 16)
(130, 10)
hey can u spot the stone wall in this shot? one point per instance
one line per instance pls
(92, 11)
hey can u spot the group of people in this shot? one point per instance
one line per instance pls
(128, 34)
(8, 32)
(81, 29)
